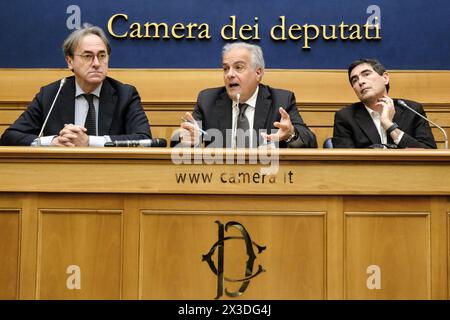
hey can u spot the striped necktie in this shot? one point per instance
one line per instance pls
(90, 123)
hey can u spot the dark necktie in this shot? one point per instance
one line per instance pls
(90, 123)
(242, 123)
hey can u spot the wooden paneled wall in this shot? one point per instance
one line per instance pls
(168, 93)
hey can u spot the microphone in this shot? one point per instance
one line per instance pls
(238, 98)
(403, 104)
(63, 80)
(158, 142)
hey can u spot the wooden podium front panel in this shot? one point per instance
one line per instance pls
(9, 252)
(70, 235)
(174, 241)
(134, 231)
(390, 239)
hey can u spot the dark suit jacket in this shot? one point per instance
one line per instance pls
(121, 115)
(354, 128)
(214, 111)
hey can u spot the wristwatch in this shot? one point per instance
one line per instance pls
(391, 128)
(293, 136)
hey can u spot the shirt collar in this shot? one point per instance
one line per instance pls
(374, 114)
(252, 100)
(79, 91)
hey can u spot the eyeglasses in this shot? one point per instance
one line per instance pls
(88, 58)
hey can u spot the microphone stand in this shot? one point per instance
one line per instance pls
(403, 104)
(63, 80)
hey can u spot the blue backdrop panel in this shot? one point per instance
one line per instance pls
(415, 33)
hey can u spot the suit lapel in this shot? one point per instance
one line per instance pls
(107, 106)
(225, 116)
(398, 115)
(263, 102)
(65, 104)
(366, 124)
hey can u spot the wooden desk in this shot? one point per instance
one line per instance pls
(334, 223)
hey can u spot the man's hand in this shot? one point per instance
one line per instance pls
(72, 136)
(285, 128)
(56, 142)
(387, 112)
(189, 131)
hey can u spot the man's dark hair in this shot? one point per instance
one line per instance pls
(376, 65)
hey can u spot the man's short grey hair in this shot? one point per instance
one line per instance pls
(255, 52)
(74, 38)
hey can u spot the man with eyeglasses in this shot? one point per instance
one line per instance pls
(91, 108)
(244, 112)
(378, 121)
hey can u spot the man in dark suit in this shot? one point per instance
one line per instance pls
(245, 113)
(378, 120)
(90, 109)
